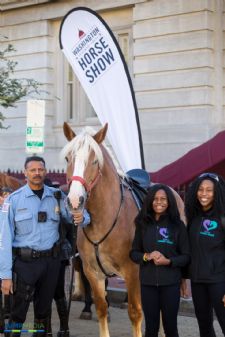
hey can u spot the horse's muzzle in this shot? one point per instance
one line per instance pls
(79, 206)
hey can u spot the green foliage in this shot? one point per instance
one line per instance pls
(12, 89)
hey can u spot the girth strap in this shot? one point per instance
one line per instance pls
(97, 243)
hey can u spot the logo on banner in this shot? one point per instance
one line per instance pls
(93, 54)
(81, 34)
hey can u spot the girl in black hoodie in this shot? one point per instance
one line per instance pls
(205, 212)
(161, 248)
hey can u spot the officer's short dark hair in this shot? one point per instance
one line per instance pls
(33, 158)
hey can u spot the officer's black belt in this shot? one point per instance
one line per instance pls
(25, 252)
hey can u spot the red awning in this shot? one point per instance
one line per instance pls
(208, 157)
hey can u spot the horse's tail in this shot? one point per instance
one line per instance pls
(78, 287)
(12, 182)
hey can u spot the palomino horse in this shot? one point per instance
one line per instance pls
(104, 245)
(8, 181)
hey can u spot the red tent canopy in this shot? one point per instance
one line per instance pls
(208, 157)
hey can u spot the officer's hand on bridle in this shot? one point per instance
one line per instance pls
(78, 217)
(7, 286)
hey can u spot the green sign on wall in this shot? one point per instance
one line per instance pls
(35, 126)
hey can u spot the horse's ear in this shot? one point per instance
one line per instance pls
(68, 132)
(100, 135)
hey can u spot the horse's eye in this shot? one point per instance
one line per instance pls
(66, 159)
(95, 162)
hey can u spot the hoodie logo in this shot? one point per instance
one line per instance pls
(164, 233)
(208, 227)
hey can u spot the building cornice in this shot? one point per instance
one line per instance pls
(11, 4)
(98, 5)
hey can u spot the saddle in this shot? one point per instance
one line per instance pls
(138, 182)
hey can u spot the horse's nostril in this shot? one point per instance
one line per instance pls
(81, 200)
(69, 203)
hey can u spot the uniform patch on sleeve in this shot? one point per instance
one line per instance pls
(5, 207)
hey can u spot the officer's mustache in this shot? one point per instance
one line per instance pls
(37, 177)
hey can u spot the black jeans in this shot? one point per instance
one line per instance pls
(206, 297)
(160, 298)
(36, 280)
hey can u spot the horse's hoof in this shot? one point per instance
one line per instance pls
(86, 315)
(76, 298)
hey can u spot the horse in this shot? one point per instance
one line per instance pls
(105, 244)
(9, 181)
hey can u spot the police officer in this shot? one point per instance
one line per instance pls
(4, 300)
(29, 236)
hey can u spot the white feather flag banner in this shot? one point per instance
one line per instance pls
(95, 56)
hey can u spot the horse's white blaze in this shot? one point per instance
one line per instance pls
(77, 189)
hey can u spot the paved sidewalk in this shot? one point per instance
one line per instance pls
(120, 325)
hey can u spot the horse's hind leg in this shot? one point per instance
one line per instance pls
(86, 312)
(134, 302)
(101, 305)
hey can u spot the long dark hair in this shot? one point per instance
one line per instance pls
(146, 215)
(193, 207)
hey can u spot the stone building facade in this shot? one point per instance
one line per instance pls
(175, 50)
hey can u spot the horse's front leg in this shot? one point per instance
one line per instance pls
(134, 299)
(101, 305)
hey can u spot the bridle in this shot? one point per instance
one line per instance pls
(88, 186)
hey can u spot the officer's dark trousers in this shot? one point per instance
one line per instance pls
(36, 280)
(2, 323)
(165, 299)
(206, 297)
(60, 287)
(61, 302)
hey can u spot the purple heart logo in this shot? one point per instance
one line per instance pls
(206, 224)
(164, 233)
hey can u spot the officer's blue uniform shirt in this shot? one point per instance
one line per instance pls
(19, 226)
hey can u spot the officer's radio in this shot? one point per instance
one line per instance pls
(57, 194)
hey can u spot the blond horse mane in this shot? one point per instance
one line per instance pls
(83, 144)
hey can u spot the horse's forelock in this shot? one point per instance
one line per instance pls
(82, 145)
(85, 141)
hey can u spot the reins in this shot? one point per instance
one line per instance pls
(97, 243)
